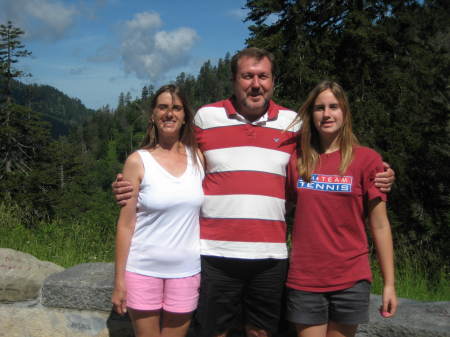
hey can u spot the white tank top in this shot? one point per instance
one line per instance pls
(166, 239)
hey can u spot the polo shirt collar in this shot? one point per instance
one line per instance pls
(272, 111)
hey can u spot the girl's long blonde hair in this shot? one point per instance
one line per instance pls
(309, 147)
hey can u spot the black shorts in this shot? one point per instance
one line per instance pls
(347, 306)
(230, 287)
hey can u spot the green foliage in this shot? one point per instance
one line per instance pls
(11, 50)
(61, 111)
(65, 243)
(79, 240)
(213, 83)
(23, 141)
(22, 136)
(393, 59)
(415, 277)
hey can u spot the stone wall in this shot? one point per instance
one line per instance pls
(41, 299)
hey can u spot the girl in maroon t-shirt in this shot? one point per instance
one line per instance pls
(333, 183)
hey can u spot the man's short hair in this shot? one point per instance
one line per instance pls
(252, 52)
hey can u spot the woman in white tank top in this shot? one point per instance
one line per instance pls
(157, 241)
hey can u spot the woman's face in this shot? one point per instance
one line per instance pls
(328, 117)
(168, 114)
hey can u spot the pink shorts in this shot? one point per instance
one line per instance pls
(179, 295)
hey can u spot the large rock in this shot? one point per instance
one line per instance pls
(413, 318)
(22, 275)
(38, 321)
(84, 292)
(86, 286)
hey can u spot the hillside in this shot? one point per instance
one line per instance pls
(60, 110)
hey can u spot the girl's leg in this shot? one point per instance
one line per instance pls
(145, 323)
(332, 329)
(311, 330)
(341, 330)
(175, 325)
(348, 308)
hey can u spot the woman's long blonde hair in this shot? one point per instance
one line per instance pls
(309, 147)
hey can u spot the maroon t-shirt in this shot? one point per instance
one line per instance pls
(329, 242)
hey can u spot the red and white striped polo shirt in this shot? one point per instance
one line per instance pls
(243, 212)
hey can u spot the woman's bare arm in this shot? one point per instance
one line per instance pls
(133, 172)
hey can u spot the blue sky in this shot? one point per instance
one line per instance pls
(95, 49)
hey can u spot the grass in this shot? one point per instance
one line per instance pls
(81, 240)
(65, 244)
(415, 276)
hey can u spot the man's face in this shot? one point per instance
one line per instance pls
(253, 86)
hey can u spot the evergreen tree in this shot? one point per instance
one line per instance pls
(128, 98)
(55, 107)
(151, 90)
(21, 131)
(224, 77)
(206, 83)
(22, 138)
(144, 93)
(393, 59)
(187, 83)
(121, 102)
(11, 49)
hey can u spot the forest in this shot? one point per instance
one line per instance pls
(58, 158)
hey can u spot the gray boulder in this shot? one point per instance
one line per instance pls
(87, 286)
(38, 321)
(77, 302)
(22, 275)
(413, 318)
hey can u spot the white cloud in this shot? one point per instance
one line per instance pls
(40, 19)
(144, 21)
(150, 52)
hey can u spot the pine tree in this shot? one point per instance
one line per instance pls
(21, 138)
(144, 93)
(128, 98)
(11, 49)
(21, 131)
(393, 59)
(121, 102)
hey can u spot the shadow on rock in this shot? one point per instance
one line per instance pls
(119, 326)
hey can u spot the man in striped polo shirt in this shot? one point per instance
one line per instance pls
(242, 228)
(247, 145)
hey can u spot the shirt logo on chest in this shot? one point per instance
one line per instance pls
(327, 183)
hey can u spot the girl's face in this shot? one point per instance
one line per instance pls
(328, 117)
(168, 114)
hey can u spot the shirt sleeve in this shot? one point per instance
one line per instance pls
(198, 130)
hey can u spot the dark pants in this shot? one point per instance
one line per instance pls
(237, 292)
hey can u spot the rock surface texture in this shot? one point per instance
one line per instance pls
(22, 275)
(419, 319)
(76, 303)
(86, 286)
